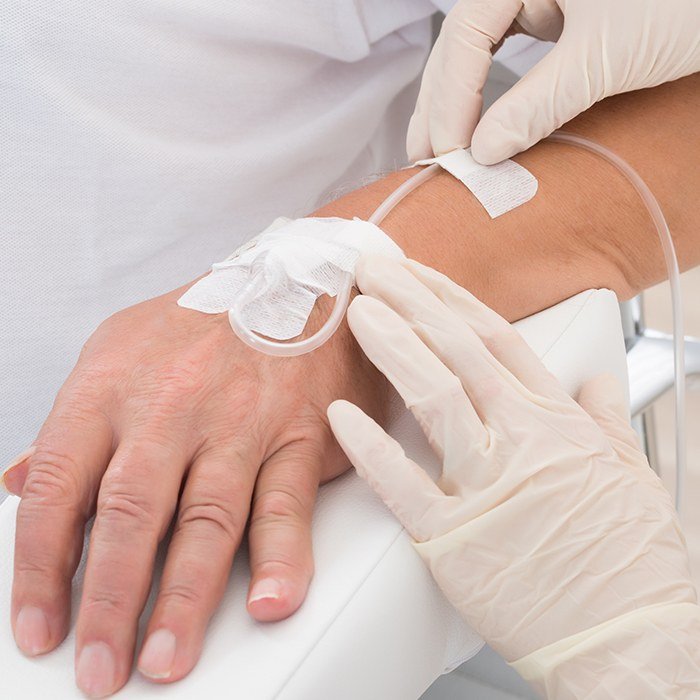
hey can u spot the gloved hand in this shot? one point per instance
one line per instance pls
(547, 530)
(603, 48)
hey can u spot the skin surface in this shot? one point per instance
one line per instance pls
(166, 416)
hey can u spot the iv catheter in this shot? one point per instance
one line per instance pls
(343, 297)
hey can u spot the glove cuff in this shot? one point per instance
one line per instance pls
(652, 652)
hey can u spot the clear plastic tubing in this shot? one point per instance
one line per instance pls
(334, 320)
(403, 190)
(674, 279)
(297, 347)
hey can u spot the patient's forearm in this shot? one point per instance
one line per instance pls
(586, 227)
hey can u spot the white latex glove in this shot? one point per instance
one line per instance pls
(547, 530)
(604, 47)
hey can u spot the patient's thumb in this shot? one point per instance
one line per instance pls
(13, 478)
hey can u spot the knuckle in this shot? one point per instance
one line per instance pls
(52, 477)
(448, 393)
(91, 374)
(212, 516)
(31, 567)
(167, 391)
(490, 391)
(181, 595)
(183, 377)
(106, 603)
(98, 361)
(118, 504)
(279, 505)
(39, 569)
(36, 556)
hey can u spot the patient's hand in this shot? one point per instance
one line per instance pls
(166, 403)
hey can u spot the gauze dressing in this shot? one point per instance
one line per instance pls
(499, 188)
(275, 278)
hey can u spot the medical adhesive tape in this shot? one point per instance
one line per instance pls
(499, 188)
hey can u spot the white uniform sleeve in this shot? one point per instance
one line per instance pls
(444, 5)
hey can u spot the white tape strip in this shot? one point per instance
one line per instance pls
(290, 265)
(499, 188)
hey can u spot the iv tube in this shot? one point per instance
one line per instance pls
(343, 298)
(674, 279)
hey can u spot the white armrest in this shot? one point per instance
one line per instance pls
(374, 624)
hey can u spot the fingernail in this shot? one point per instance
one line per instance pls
(269, 588)
(158, 654)
(32, 630)
(96, 670)
(16, 462)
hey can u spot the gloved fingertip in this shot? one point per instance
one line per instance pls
(369, 268)
(370, 320)
(345, 420)
(359, 307)
(448, 148)
(486, 150)
(495, 137)
(337, 410)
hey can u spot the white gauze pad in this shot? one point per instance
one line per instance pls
(499, 188)
(290, 264)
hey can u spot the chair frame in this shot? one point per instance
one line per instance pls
(650, 366)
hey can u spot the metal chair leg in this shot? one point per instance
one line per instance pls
(650, 365)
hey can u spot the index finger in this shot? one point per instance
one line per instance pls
(431, 391)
